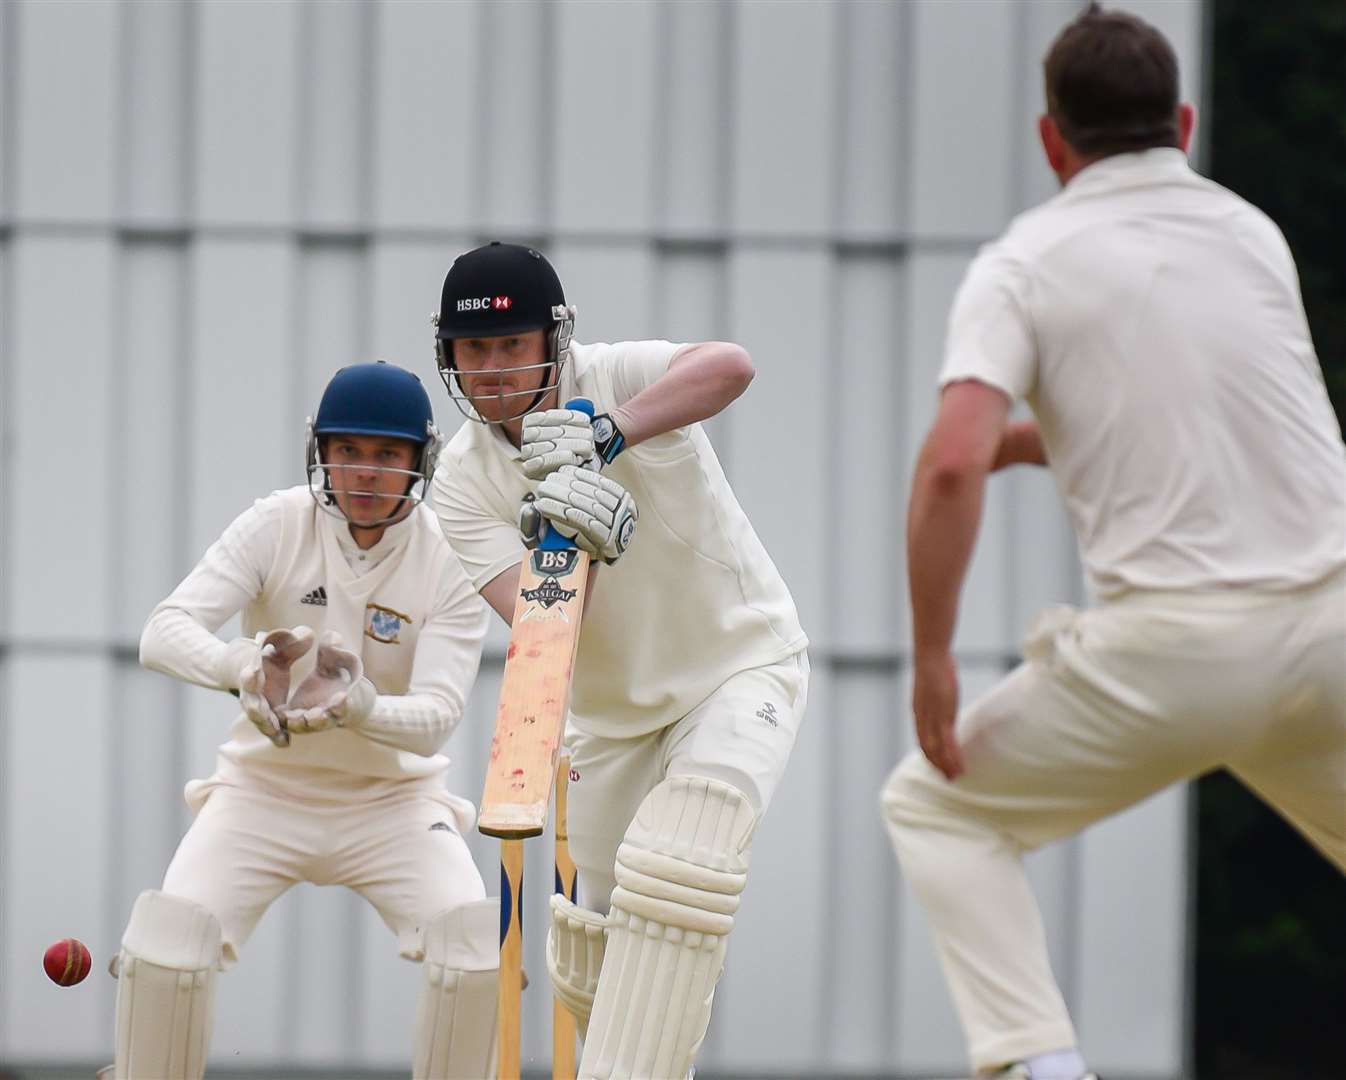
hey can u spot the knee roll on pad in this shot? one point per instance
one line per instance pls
(166, 988)
(680, 871)
(456, 1016)
(575, 943)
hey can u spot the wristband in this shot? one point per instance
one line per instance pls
(608, 438)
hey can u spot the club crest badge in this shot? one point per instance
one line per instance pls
(384, 624)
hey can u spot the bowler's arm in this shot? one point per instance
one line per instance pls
(1021, 444)
(944, 515)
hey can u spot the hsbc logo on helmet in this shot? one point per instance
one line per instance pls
(486, 303)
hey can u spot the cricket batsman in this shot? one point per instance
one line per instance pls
(691, 676)
(361, 638)
(1153, 322)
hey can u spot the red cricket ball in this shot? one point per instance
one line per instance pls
(67, 962)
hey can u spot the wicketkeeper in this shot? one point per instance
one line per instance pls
(361, 639)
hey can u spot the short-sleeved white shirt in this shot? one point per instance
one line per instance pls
(693, 601)
(1153, 322)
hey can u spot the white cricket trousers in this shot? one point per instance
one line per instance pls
(742, 734)
(1110, 706)
(404, 854)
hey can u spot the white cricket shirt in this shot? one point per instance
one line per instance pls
(405, 605)
(1153, 322)
(694, 600)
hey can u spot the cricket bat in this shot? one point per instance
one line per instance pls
(535, 690)
(529, 726)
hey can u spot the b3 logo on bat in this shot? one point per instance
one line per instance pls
(554, 564)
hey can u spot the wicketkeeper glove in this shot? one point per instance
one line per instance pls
(264, 681)
(335, 693)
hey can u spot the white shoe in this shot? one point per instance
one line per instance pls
(1019, 1071)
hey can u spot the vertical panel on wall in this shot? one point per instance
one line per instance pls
(8, 78)
(55, 879)
(794, 835)
(865, 722)
(252, 1006)
(694, 116)
(786, 346)
(155, 436)
(65, 93)
(242, 358)
(333, 147)
(156, 108)
(332, 326)
(782, 121)
(426, 79)
(767, 1018)
(1039, 23)
(405, 278)
(960, 149)
(604, 166)
(867, 443)
(612, 286)
(874, 120)
(59, 581)
(1133, 873)
(511, 146)
(146, 782)
(319, 928)
(246, 95)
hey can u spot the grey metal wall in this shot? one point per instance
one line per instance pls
(206, 208)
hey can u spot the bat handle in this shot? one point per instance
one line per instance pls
(551, 539)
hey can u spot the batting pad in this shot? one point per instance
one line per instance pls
(575, 944)
(680, 870)
(456, 1017)
(166, 988)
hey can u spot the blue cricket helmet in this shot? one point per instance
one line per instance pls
(375, 399)
(378, 399)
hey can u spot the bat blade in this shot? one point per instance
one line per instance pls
(534, 693)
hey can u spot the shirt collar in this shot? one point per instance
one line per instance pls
(1156, 165)
(394, 536)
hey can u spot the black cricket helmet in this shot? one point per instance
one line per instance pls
(493, 291)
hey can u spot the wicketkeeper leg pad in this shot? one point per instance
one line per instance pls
(680, 870)
(575, 943)
(166, 988)
(456, 1017)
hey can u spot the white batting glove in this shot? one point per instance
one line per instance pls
(264, 682)
(598, 513)
(555, 437)
(335, 693)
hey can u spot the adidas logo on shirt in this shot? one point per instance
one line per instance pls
(317, 596)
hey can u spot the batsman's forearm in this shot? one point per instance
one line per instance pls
(701, 380)
(942, 524)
